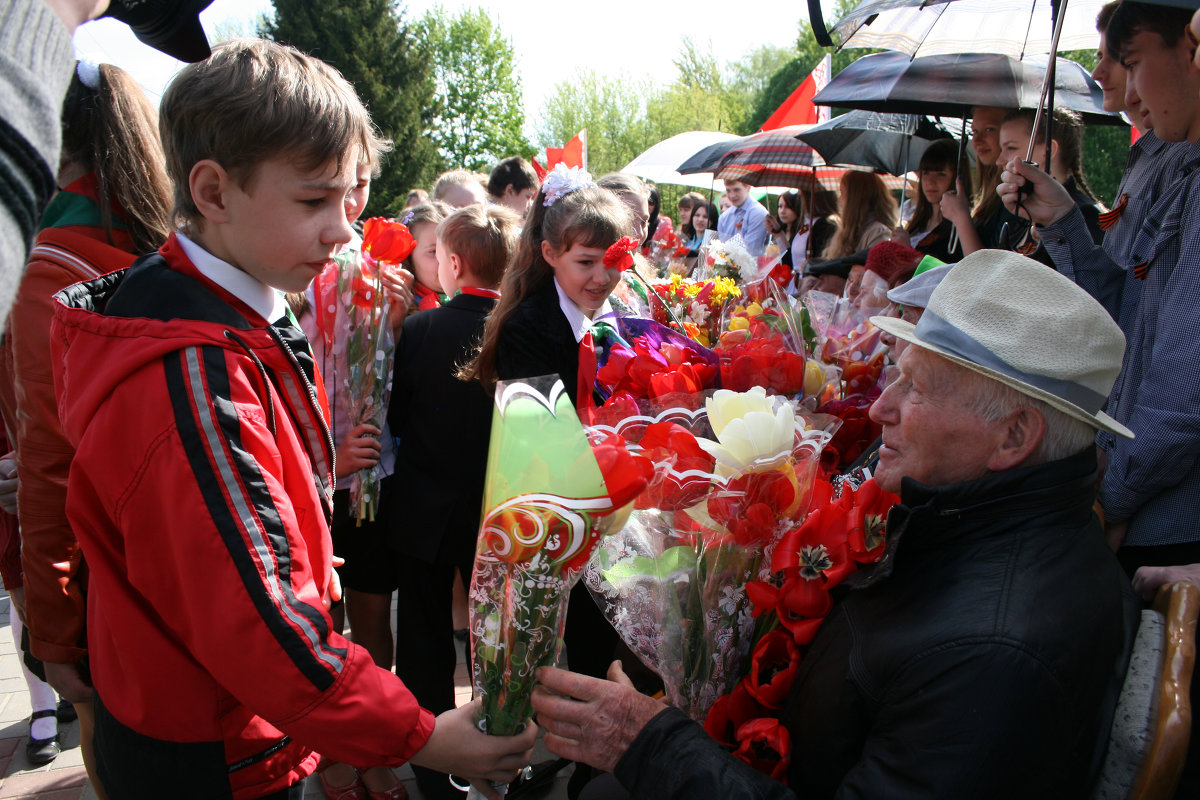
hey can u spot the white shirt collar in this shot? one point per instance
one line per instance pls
(577, 319)
(268, 303)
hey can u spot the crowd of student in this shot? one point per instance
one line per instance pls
(174, 390)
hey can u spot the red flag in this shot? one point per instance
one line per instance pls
(1134, 133)
(541, 171)
(573, 153)
(798, 109)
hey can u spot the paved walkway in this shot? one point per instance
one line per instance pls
(66, 779)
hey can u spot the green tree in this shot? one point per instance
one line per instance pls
(695, 101)
(748, 80)
(611, 112)
(369, 43)
(478, 115)
(807, 55)
(706, 96)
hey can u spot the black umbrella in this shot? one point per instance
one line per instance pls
(946, 85)
(891, 143)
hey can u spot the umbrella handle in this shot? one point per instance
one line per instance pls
(1047, 83)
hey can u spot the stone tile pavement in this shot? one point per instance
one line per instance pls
(66, 779)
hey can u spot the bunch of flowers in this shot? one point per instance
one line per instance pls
(657, 365)
(840, 533)
(731, 259)
(694, 304)
(369, 347)
(673, 580)
(664, 250)
(846, 338)
(762, 345)
(756, 353)
(549, 497)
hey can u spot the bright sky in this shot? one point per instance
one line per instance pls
(552, 39)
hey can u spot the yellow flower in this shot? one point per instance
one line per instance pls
(749, 430)
(724, 288)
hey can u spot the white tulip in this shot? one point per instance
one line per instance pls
(749, 430)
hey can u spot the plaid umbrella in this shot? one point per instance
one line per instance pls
(777, 147)
(946, 85)
(790, 175)
(796, 177)
(1016, 28)
(891, 143)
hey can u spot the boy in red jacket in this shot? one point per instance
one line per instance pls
(201, 486)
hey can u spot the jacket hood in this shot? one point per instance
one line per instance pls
(106, 329)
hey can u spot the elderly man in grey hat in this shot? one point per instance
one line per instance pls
(982, 656)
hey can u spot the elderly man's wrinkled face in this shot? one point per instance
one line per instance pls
(930, 434)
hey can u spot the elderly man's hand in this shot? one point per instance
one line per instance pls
(1047, 200)
(590, 720)
(1147, 580)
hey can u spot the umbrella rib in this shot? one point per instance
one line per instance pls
(1028, 28)
(929, 30)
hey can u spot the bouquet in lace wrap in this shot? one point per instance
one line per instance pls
(549, 497)
(370, 348)
(673, 580)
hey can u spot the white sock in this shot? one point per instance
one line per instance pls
(41, 694)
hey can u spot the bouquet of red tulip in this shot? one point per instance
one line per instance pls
(673, 580)
(369, 347)
(549, 497)
(842, 531)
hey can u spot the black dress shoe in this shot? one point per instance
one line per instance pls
(65, 712)
(41, 751)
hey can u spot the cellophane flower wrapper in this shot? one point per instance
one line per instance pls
(762, 344)
(672, 580)
(693, 306)
(547, 502)
(370, 355)
(665, 249)
(847, 339)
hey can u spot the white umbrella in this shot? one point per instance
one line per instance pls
(1013, 28)
(659, 162)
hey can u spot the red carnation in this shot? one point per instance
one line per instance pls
(619, 256)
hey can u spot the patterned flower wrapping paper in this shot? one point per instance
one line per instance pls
(545, 507)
